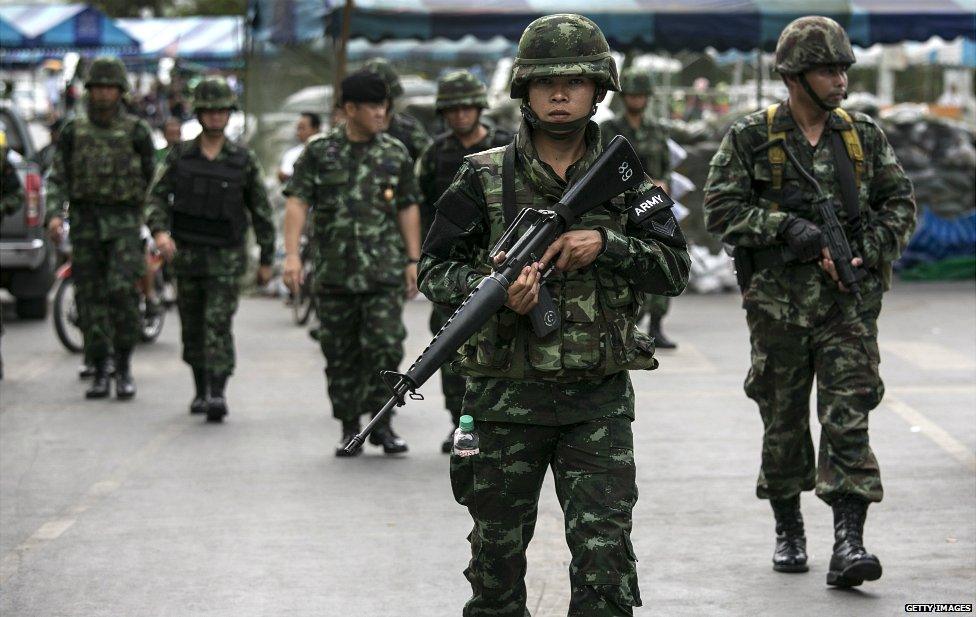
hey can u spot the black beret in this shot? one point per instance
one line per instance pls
(364, 87)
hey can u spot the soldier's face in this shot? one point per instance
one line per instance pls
(214, 121)
(462, 119)
(635, 103)
(561, 99)
(304, 130)
(368, 118)
(829, 82)
(104, 97)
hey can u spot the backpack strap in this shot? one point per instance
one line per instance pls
(777, 157)
(852, 143)
(508, 183)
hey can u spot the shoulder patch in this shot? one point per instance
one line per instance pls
(646, 204)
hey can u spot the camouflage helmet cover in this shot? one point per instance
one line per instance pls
(635, 81)
(383, 68)
(213, 93)
(107, 71)
(460, 88)
(563, 44)
(812, 41)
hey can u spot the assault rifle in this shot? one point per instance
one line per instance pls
(833, 238)
(525, 241)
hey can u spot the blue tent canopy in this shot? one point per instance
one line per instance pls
(659, 24)
(200, 39)
(56, 28)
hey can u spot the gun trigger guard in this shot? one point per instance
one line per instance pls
(416, 396)
(392, 379)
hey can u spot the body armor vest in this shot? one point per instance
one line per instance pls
(598, 336)
(450, 154)
(105, 167)
(208, 201)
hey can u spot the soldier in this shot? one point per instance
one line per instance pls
(360, 183)
(564, 400)
(460, 101)
(403, 126)
(650, 139)
(803, 323)
(103, 166)
(205, 193)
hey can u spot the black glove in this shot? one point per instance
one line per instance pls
(802, 236)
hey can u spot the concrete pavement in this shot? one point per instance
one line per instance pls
(137, 509)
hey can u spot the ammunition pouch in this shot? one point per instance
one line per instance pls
(748, 261)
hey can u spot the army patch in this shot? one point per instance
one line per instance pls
(647, 204)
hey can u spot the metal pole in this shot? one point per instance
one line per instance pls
(759, 77)
(341, 49)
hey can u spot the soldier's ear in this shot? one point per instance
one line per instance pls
(601, 93)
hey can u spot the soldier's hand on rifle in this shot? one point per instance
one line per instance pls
(264, 275)
(165, 244)
(827, 265)
(410, 276)
(55, 229)
(802, 236)
(523, 294)
(576, 249)
(292, 274)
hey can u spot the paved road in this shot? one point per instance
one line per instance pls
(136, 509)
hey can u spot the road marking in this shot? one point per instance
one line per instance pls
(55, 528)
(929, 356)
(933, 431)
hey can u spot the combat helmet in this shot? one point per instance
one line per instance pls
(107, 71)
(635, 81)
(460, 88)
(213, 93)
(812, 41)
(383, 68)
(563, 44)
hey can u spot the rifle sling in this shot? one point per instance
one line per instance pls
(848, 184)
(508, 184)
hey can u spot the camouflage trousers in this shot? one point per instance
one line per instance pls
(452, 384)
(360, 335)
(656, 307)
(593, 467)
(207, 305)
(105, 274)
(843, 356)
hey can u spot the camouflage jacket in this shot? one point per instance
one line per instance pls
(650, 140)
(408, 130)
(438, 164)
(129, 171)
(355, 191)
(199, 260)
(739, 206)
(599, 304)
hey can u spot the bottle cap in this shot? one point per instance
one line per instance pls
(466, 423)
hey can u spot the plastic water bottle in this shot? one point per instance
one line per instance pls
(465, 438)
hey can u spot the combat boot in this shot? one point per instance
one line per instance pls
(392, 443)
(660, 341)
(216, 403)
(790, 554)
(125, 386)
(448, 444)
(101, 383)
(851, 564)
(350, 428)
(200, 383)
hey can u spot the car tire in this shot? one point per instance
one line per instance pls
(32, 308)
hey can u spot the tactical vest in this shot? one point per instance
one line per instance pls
(208, 200)
(449, 156)
(104, 165)
(598, 336)
(401, 127)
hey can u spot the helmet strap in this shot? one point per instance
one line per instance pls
(813, 95)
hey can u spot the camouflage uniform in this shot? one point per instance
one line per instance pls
(403, 126)
(801, 325)
(355, 191)
(650, 139)
(103, 171)
(436, 168)
(564, 400)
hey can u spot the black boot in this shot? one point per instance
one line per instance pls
(101, 382)
(86, 370)
(125, 386)
(392, 443)
(448, 444)
(790, 554)
(660, 341)
(216, 403)
(851, 564)
(200, 382)
(350, 428)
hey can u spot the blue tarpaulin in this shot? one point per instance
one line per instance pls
(57, 28)
(200, 39)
